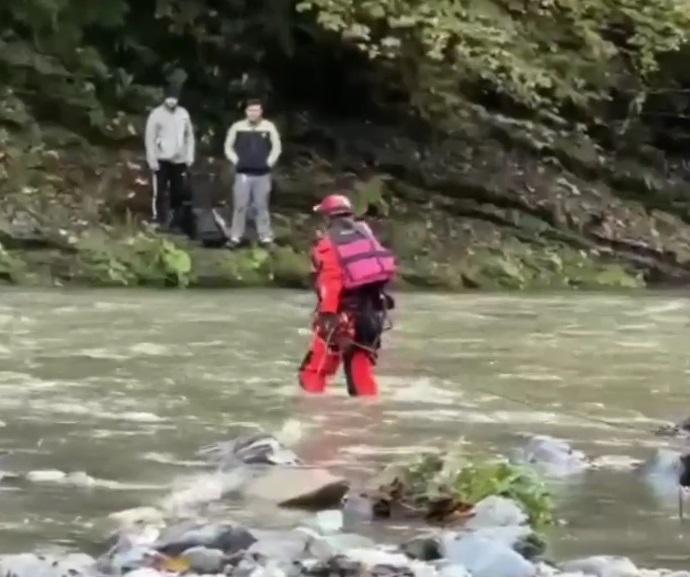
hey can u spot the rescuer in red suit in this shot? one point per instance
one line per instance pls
(351, 270)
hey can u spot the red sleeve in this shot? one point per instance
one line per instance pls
(329, 279)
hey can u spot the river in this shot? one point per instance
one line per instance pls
(126, 385)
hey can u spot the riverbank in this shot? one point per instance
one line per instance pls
(515, 206)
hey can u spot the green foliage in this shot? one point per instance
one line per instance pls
(540, 54)
(452, 477)
(138, 260)
(476, 481)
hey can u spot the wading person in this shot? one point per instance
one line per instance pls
(169, 142)
(351, 271)
(253, 146)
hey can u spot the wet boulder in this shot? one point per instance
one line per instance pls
(552, 457)
(204, 560)
(337, 565)
(423, 548)
(307, 488)
(280, 545)
(258, 449)
(495, 511)
(229, 539)
(601, 566)
(485, 558)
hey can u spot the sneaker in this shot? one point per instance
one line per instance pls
(232, 244)
(266, 243)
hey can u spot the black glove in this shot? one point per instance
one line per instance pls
(388, 301)
(327, 324)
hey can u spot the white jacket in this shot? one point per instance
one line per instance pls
(169, 136)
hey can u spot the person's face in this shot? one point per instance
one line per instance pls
(254, 112)
(171, 102)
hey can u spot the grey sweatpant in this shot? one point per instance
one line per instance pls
(252, 191)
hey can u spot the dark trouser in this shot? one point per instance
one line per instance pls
(363, 322)
(168, 191)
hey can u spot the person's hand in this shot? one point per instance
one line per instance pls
(154, 166)
(327, 324)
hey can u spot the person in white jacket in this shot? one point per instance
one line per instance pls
(170, 152)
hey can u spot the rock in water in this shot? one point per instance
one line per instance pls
(423, 549)
(601, 566)
(486, 558)
(259, 449)
(229, 539)
(494, 511)
(552, 457)
(299, 487)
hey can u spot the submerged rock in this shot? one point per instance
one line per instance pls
(298, 487)
(259, 449)
(601, 566)
(552, 457)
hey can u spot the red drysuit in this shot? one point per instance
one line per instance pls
(348, 323)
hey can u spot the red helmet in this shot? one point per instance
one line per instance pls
(334, 205)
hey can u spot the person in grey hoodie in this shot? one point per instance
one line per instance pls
(169, 152)
(253, 146)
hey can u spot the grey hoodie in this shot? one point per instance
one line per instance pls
(169, 136)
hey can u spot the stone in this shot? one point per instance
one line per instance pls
(338, 565)
(144, 572)
(204, 560)
(423, 549)
(454, 570)
(229, 539)
(298, 487)
(601, 566)
(371, 557)
(327, 522)
(280, 545)
(552, 457)
(258, 449)
(485, 558)
(495, 511)
(326, 547)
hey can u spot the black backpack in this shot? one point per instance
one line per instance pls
(209, 227)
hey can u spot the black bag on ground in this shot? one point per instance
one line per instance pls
(208, 227)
